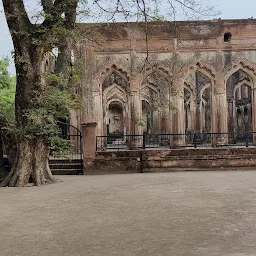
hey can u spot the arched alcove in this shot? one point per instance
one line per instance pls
(150, 106)
(239, 97)
(198, 102)
(115, 102)
(155, 89)
(116, 119)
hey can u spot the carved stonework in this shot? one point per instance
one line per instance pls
(244, 65)
(192, 81)
(204, 68)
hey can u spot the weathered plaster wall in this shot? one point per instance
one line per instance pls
(176, 49)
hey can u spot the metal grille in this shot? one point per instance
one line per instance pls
(175, 140)
(73, 137)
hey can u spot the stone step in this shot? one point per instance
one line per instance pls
(64, 161)
(66, 171)
(65, 165)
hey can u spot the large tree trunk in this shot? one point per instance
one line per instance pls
(31, 164)
(31, 42)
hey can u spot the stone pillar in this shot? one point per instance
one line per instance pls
(136, 120)
(89, 144)
(178, 116)
(231, 124)
(221, 118)
(136, 113)
(192, 115)
(98, 113)
(219, 103)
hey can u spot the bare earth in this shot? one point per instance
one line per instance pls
(158, 214)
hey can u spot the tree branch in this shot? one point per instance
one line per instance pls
(17, 17)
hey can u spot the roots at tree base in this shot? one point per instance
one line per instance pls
(31, 165)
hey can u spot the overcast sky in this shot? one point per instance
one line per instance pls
(230, 9)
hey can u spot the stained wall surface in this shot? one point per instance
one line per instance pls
(169, 77)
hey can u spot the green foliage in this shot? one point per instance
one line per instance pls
(60, 146)
(6, 79)
(140, 123)
(57, 95)
(7, 92)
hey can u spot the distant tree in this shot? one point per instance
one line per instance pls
(7, 91)
(7, 94)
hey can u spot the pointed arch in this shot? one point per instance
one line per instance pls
(114, 75)
(205, 69)
(147, 76)
(199, 110)
(244, 74)
(246, 67)
(243, 82)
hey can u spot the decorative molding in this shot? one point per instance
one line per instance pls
(248, 67)
(114, 75)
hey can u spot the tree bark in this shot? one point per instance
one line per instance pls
(31, 42)
(31, 164)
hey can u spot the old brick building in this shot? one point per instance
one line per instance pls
(169, 78)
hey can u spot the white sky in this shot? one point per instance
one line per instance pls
(230, 9)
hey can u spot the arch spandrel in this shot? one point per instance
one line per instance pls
(206, 69)
(147, 75)
(113, 75)
(115, 92)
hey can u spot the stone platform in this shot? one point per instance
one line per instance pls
(174, 159)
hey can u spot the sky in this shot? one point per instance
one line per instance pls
(230, 9)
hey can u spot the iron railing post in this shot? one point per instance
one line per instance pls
(144, 140)
(195, 140)
(246, 139)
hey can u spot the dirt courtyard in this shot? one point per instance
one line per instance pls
(150, 214)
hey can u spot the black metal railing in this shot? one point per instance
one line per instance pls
(71, 147)
(194, 140)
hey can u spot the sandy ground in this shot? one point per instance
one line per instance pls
(158, 214)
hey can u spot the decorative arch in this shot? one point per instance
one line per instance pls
(198, 114)
(149, 71)
(188, 87)
(206, 86)
(241, 105)
(115, 92)
(114, 75)
(243, 82)
(245, 66)
(114, 87)
(206, 69)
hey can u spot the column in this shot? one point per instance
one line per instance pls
(98, 113)
(178, 116)
(219, 104)
(89, 144)
(136, 112)
(221, 116)
(136, 120)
